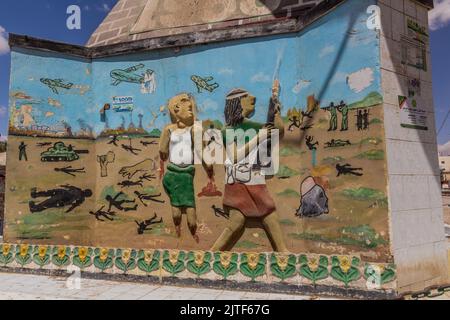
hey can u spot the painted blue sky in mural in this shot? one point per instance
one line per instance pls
(332, 65)
(57, 91)
(52, 26)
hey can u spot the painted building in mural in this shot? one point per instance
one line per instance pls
(93, 134)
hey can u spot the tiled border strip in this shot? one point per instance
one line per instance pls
(305, 274)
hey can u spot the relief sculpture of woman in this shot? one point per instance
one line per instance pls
(246, 195)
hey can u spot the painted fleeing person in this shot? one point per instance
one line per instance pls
(57, 198)
(100, 214)
(295, 123)
(246, 194)
(343, 109)
(312, 146)
(148, 197)
(177, 147)
(118, 204)
(147, 224)
(23, 151)
(130, 148)
(70, 171)
(334, 118)
(337, 143)
(347, 169)
(310, 143)
(114, 140)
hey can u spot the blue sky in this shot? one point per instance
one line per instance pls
(47, 19)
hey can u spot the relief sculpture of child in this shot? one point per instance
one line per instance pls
(177, 147)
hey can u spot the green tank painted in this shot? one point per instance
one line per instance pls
(58, 153)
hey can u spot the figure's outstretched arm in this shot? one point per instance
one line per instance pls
(164, 143)
(198, 150)
(278, 122)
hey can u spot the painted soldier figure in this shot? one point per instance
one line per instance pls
(23, 151)
(343, 109)
(334, 118)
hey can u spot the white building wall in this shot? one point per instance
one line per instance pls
(444, 163)
(418, 242)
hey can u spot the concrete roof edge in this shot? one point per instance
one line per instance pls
(276, 27)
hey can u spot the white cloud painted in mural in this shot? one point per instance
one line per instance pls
(439, 17)
(301, 84)
(4, 46)
(360, 80)
(260, 77)
(327, 51)
(208, 105)
(226, 71)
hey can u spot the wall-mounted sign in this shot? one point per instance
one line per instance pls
(414, 54)
(416, 31)
(411, 115)
(414, 44)
(123, 104)
(414, 87)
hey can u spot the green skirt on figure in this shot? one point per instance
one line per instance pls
(178, 183)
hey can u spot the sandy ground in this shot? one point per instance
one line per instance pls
(31, 287)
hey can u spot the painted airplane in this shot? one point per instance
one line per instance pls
(54, 84)
(127, 75)
(202, 83)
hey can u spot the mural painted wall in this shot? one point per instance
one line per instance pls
(87, 139)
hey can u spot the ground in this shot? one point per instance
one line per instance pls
(31, 287)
